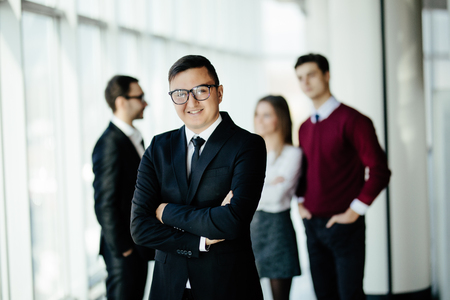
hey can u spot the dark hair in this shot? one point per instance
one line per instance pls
(117, 86)
(320, 60)
(191, 62)
(281, 108)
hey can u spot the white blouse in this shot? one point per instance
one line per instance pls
(277, 193)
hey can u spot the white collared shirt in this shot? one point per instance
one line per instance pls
(204, 135)
(276, 195)
(132, 133)
(190, 151)
(324, 112)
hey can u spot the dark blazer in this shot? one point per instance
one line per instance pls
(115, 162)
(233, 159)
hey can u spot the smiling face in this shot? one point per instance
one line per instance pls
(197, 115)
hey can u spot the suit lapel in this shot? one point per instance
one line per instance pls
(178, 155)
(215, 142)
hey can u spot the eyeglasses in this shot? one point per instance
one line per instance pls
(200, 93)
(140, 97)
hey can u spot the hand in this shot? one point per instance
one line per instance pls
(212, 242)
(349, 216)
(159, 211)
(127, 253)
(277, 180)
(304, 213)
(227, 199)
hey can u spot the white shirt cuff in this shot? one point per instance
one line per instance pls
(359, 207)
(203, 244)
(300, 199)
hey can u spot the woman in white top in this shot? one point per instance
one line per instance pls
(273, 236)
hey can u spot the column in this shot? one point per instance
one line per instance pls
(407, 147)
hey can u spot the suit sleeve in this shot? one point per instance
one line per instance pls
(106, 168)
(362, 135)
(230, 221)
(146, 229)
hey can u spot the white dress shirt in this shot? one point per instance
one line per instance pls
(190, 151)
(276, 196)
(204, 135)
(132, 133)
(324, 112)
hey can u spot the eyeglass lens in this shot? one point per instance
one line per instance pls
(200, 93)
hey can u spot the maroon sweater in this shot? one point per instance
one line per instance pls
(337, 151)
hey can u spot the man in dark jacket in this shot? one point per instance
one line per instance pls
(115, 160)
(203, 246)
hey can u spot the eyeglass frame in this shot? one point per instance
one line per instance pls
(140, 97)
(209, 86)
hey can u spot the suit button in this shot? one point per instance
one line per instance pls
(189, 253)
(184, 252)
(179, 251)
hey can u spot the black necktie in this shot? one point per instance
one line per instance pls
(198, 142)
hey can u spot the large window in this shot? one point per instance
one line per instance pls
(2, 217)
(436, 48)
(50, 3)
(94, 119)
(44, 160)
(89, 8)
(161, 17)
(64, 54)
(129, 54)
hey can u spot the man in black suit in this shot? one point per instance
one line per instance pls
(115, 160)
(180, 205)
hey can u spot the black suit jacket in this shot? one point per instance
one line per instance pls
(115, 162)
(232, 159)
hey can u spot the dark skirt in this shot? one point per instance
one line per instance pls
(275, 245)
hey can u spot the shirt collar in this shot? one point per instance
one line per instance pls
(128, 130)
(205, 134)
(325, 110)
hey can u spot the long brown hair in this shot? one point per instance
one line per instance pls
(281, 108)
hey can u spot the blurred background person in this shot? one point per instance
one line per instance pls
(273, 235)
(346, 170)
(115, 160)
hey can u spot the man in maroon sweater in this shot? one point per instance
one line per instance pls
(338, 143)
